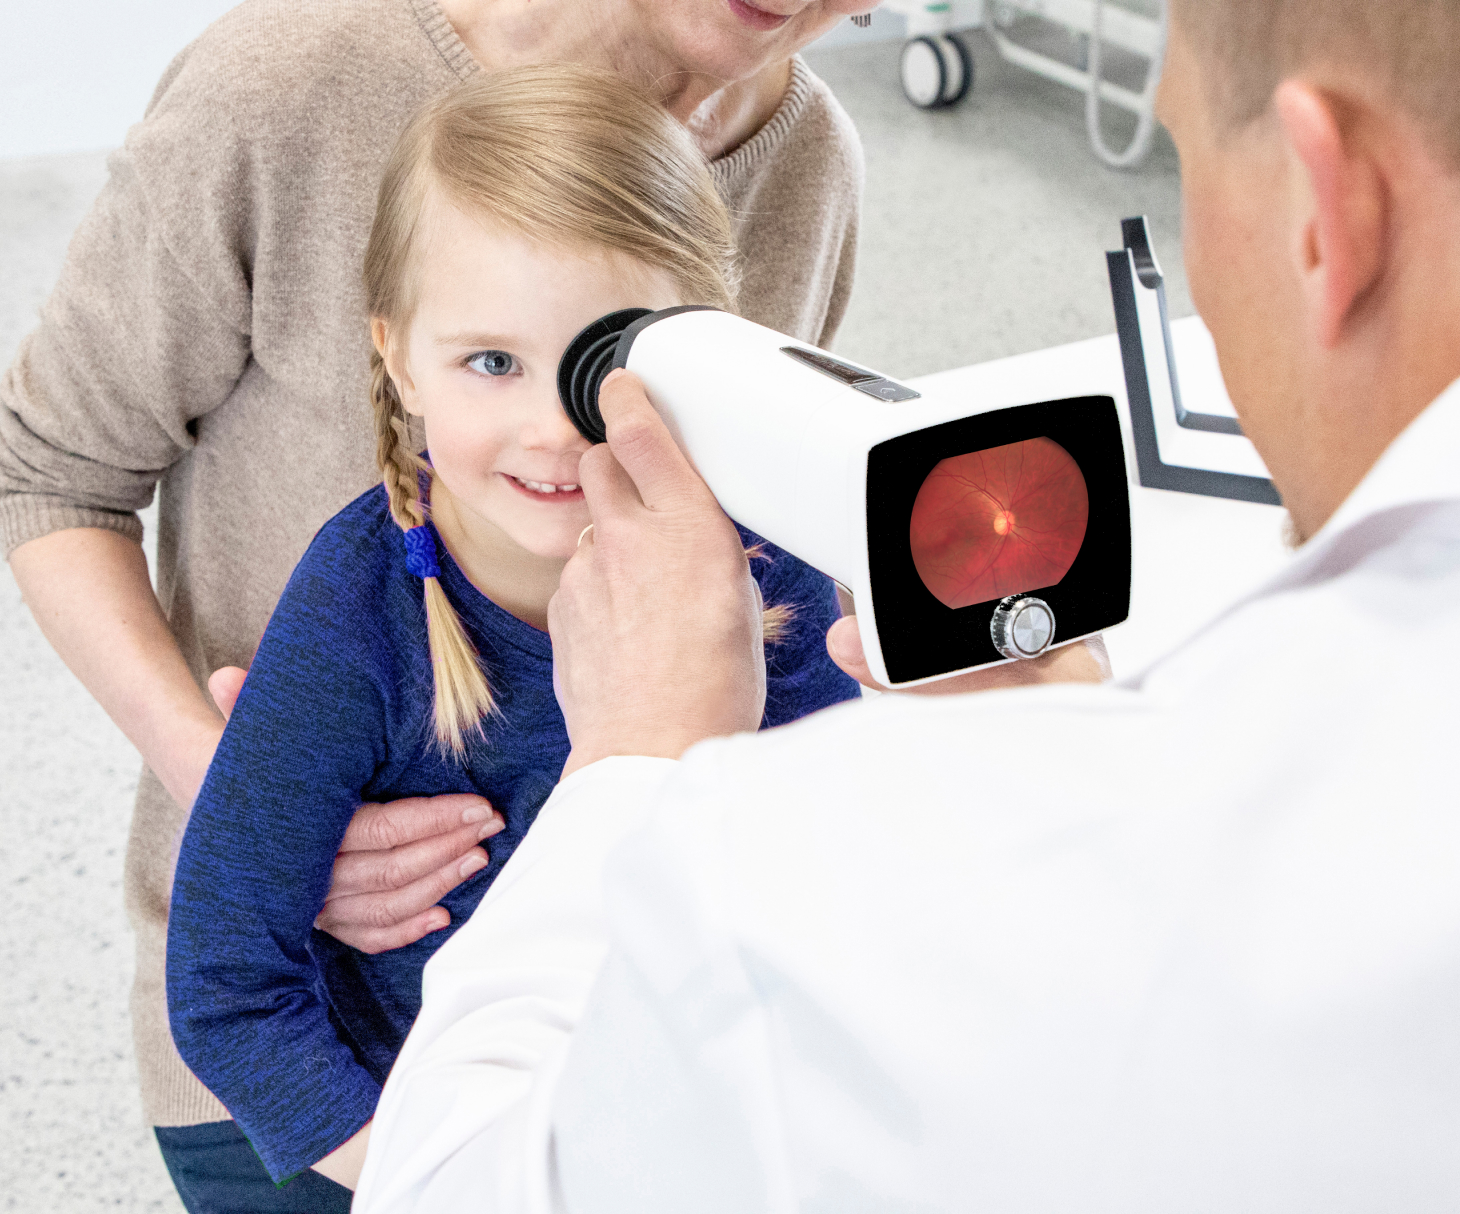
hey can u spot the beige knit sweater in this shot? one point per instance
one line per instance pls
(208, 337)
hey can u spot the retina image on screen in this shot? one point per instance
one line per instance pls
(998, 522)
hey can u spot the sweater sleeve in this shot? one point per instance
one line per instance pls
(244, 993)
(146, 331)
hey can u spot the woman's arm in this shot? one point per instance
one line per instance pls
(89, 592)
(146, 332)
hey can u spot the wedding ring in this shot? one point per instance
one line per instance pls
(583, 533)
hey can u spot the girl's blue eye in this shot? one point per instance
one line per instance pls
(492, 362)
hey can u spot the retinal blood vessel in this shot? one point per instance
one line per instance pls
(999, 522)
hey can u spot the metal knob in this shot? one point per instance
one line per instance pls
(1022, 626)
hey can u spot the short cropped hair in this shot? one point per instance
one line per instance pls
(1410, 48)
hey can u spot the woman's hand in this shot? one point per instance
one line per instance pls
(398, 859)
(1085, 662)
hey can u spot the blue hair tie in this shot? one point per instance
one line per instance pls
(421, 553)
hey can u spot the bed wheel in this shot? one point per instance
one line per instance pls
(960, 81)
(937, 70)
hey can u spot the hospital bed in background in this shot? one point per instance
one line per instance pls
(938, 70)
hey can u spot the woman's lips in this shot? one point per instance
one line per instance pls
(757, 18)
(540, 492)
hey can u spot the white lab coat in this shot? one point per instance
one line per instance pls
(1189, 942)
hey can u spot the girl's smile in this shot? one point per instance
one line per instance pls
(549, 494)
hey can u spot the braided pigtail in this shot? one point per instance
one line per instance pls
(463, 697)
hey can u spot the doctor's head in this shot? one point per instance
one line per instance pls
(1320, 150)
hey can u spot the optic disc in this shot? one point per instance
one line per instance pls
(992, 523)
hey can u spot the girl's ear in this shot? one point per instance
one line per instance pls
(380, 337)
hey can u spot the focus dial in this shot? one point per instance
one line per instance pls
(1022, 626)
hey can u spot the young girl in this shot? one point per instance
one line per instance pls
(408, 655)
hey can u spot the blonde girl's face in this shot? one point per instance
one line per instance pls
(479, 366)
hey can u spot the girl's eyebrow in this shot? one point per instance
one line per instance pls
(485, 341)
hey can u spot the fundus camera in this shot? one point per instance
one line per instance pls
(969, 535)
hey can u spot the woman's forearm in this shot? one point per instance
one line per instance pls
(89, 591)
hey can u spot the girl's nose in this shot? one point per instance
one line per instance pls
(551, 429)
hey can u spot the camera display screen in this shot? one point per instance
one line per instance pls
(997, 522)
(1026, 500)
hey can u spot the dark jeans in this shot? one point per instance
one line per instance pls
(217, 1172)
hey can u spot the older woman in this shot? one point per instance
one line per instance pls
(208, 339)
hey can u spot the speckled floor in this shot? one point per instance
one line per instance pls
(982, 236)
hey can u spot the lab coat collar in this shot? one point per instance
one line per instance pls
(1421, 466)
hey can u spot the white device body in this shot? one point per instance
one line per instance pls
(783, 446)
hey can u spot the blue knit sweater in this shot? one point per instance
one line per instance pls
(292, 1030)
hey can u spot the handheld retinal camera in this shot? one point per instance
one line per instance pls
(968, 535)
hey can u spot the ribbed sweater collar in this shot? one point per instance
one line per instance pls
(726, 169)
(760, 145)
(444, 38)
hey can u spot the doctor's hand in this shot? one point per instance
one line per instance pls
(1083, 662)
(397, 861)
(656, 624)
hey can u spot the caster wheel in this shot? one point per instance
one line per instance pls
(937, 70)
(960, 81)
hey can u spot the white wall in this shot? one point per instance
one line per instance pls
(75, 76)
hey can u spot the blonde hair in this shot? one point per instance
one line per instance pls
(566, 157)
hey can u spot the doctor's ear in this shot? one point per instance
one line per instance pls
(1342, 204)
(388, 345)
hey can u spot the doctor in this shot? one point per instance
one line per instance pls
(1186, 942)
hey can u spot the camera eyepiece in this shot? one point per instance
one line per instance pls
(586, 363)
(596, 351)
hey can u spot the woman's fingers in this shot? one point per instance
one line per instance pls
(397, 861)
(394, 823)
(224, 684)
(372, 872)
(377, 922)
(382, 940)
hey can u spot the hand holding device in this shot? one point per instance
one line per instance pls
(656, 624)
(969, 534)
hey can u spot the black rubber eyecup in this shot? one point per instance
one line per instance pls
(586, 363)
